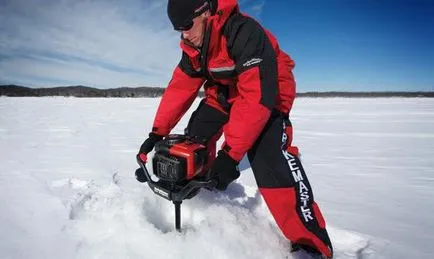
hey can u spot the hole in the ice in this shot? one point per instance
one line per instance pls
(158, 217)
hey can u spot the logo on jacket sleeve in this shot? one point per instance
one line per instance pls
(252, 61)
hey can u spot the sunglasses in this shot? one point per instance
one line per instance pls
(185, 26)
(188, 23)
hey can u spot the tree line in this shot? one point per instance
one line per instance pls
(133, 92)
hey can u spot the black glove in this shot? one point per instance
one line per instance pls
(145, 148)
(148, 145)
(224, 170)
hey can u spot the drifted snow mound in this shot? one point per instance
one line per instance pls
(129, 221)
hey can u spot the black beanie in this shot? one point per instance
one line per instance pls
(182, 12)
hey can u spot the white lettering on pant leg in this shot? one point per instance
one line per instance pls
(302, 187)
(292, 165)
(284, 138)
(307, 214)
(297, 176)
(287, 155)
(304, 197)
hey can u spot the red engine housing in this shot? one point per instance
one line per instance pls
(178, 158)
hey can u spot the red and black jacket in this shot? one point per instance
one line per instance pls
(242, 59)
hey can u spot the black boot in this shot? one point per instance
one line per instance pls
(299, 251)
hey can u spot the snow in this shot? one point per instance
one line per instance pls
(67, 187)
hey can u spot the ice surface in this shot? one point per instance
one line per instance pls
(67, 187)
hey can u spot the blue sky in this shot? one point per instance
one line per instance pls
(357, 44)
(337, 44)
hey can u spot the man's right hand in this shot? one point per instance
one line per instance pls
(148, 145)
(224, 170)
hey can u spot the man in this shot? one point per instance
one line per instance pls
(249, 89)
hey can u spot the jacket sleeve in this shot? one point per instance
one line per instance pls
(256, 67)
(183, 88)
